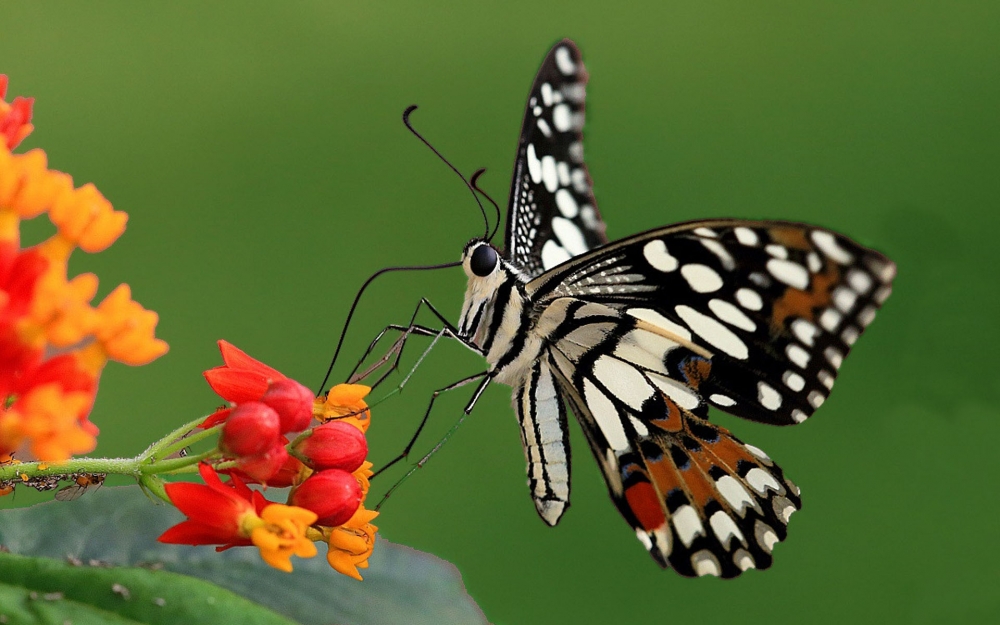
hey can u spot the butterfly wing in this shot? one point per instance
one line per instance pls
(701, 501)
(551, 214)
(774, 307)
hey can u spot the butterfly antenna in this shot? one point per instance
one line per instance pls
(357, 298)
(406, 120)
(496, 207)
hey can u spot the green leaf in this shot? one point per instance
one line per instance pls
(119, 526)
(42, 590)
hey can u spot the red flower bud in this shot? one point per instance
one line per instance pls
(293, 403)
(252, 428)
(333, 445)
(262, 468)
(334, 496)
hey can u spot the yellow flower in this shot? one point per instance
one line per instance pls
(345, 402)
(352, 543)
(281, 533)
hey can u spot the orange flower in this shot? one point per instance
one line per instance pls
(14, 117)
(43, 311)
(51, 421)
(352, 543)
(230, 514)
(346, 402)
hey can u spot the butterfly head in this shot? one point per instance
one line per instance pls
(487, 273)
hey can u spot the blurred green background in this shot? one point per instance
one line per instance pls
(258, 150)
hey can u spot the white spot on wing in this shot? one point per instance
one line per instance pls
(760, 480)
(797, 355)
(791, 273)
(680, 393)
(569, 235)
(564, 61)
(544, 127)
(534, 165)
(702, 278)
(830, 319)
(735, 495)
(749, 299)
(566, 203)
(778, 251)
(731, 315)
(793, 381)
(687, 524)
(549, 174)
(657, 255)
(768, 397)
(553, 254)
(714, 332)
(562, 117)
(704, 563)
(746, 236)
(725, 529)
(805, 331)
(606, 416)
(844, 298)
(827, 243)
(722, 400)
(547, 94)
(623, 381)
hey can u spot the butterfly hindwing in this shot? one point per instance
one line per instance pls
(701, 501)
(552, 215)
(775, 306)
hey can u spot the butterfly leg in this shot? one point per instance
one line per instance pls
(485, 381)
(430, 406)
(396, 351)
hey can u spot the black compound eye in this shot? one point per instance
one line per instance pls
(483, 261)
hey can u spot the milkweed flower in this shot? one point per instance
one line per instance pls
(15, 117)
(50, 334)
(346, 403)
(230, 515)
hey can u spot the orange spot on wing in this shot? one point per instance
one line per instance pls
(794, 238)
(672, 422)
(702, 490)
(796, 303)
(645, 504)
(697, 370)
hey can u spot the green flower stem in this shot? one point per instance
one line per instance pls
(186, 441)
(169, 439)
(166, 466)
(115, 466)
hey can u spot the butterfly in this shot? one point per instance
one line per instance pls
(640, 337)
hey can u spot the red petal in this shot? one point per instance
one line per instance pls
(217, 417)
(207, 505)
(237, 386)
(236, 358)
(194, 533)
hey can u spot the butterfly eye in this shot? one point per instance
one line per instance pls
(483, 261)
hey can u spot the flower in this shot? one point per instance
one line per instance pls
(242, 378)
(230, 515)
(345, 402)
(53, 343)
(14, 117)
(251, 429)
(334, 495)
(245, 379)
(333, 445)
(351, 544)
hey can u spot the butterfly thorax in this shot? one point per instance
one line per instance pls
(497, 317)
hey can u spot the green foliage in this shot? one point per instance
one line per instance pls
(119, 526)
(42, 590)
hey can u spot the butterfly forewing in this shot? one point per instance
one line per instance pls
(776, 305)
(552, 215)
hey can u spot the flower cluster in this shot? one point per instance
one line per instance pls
(324, 466)
(53, 343)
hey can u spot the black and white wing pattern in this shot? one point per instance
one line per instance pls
(752, 317)
(551, 214)
(774, 306)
